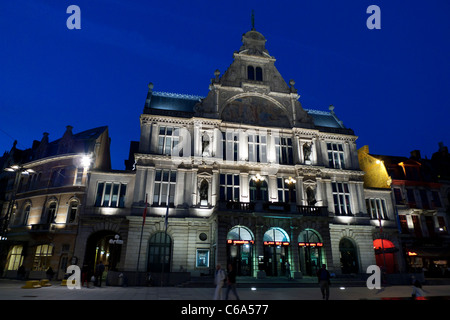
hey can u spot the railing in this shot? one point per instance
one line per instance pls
(273, 207)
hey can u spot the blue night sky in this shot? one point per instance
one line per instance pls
(391, 86)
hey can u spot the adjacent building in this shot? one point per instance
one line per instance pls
(44, 189)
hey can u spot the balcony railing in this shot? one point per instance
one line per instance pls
(273, 207)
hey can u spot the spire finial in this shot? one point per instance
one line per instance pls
(253, 19)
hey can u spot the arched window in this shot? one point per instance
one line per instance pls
(259, 74)
(240, 233)
(310, 251)
(50, 216)
(26, 214)
(251, 73)
(276, 235)
(159, 252)
(73, 210)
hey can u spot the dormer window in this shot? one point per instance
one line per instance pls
(254, 73)
(251, 73)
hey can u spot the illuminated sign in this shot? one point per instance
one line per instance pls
(410, 253)
(310, 244)
(277, 243)
(234, 242)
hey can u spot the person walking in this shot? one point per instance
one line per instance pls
(50, 273)
(288, 270)
(99, 273)
(324, 281)
(219, 280)
(231, 282)
(417, 293)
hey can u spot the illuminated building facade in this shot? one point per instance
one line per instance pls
(43, 191)
(420, 189)
(249, 177)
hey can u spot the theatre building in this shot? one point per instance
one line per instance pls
(248, 177)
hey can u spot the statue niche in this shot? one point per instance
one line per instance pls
(204, 186)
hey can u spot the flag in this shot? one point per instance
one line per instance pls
(166, 220)
(144, 214)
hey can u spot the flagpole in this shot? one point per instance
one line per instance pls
(165, 236)
(142, 232)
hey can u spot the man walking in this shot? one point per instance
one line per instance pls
(99, 273)
(219, 280)
(231, 282)
(324, 281)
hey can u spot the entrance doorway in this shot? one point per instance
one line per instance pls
(240, 250)
(310, 251)
(99, 249)
(384, 255)
(159, 252)
(276, 251)
(349, 256)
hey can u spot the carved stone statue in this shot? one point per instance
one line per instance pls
(307, 151)
(310, 196)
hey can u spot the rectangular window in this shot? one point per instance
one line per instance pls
(42, 257)
(424, 199)
(398, 196)
(377, 208)
(436, 199)
(230, 144)
(442, 226)
(229, 187)
(335, 155)
(403, 224)
(110, 194)
(257, 148)
(283, 150)
(165, 181)
(341, 197)
(79, 177)
(167, 140)
(411, 198)
(417, 227)
(286, 192)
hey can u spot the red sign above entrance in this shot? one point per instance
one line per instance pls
(240, 242)
(277, 243)
(310, 244)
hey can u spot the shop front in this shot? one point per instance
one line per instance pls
(310, 248)
(276, 252)
(240, 246)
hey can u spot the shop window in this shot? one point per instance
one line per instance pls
(42, 257)
(15, 258)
